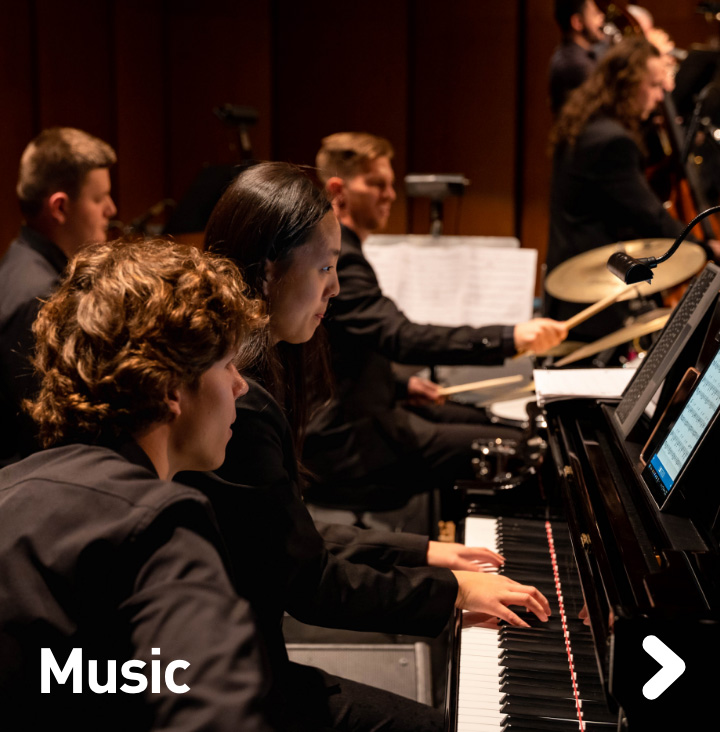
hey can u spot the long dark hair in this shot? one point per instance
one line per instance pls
(610, 90)
(267, 212)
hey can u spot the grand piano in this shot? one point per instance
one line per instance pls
(638, 556)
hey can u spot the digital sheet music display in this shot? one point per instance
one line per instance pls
(670, 459)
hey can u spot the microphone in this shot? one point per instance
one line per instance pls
(240, 117)
(236, 115)
(631, 270)
(138, 224)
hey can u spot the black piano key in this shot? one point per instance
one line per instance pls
(546, 707)
(524, 725)
(542, 723)
(537, 645)
(531, 676)
(532, 660)
(524, 689)
(534, 669)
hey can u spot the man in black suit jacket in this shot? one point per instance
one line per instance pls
(583, 40)
(369, 448)
(64, 194)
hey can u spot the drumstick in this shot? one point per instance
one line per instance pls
(589, 311)
(505, 396)
(478, 385)
(597, 307)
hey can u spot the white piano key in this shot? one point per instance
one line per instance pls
(479, 683)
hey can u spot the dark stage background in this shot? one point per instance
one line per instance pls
(458, 86)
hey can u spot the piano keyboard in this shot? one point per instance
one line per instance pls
(538, 678)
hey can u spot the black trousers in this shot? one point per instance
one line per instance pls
(436, 464)
(321, 701)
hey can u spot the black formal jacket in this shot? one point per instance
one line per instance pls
(570, 65)
(98, 553)
(29, 272)
(344, 578)
(599, 196)
(365, 428)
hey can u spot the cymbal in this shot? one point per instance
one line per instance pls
(586, 279)
(623, 335)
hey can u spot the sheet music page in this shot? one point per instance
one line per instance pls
(552, 384)
(459, 284)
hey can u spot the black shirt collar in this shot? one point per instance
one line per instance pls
(348, 233)
(129, 449)
(43, 246)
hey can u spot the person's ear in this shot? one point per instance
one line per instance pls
(57, 205)
(335, 187)
(270, 271)
(576, 22)
(173, 399)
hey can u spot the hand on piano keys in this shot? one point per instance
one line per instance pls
(452, 555)
(493, 594)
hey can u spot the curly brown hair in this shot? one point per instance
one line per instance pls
(131, 321)
(611, 90)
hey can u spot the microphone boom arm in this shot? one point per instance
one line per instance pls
(631, 270)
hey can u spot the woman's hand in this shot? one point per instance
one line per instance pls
(458, 556)
(493, 594)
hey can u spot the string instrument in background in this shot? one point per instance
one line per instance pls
(676, 178)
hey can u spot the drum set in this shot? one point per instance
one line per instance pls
(504, 463)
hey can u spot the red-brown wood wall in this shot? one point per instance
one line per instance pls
(458, 87)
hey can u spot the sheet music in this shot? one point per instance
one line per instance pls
(552, 384)
(459, 284)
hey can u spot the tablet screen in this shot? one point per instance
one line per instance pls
(674, 451)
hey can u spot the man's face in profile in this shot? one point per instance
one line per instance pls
(88, 215)
(370, 195)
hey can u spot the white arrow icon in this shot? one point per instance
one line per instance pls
(672, 667)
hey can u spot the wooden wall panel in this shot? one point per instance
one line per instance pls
(448, 83)
(463, 113)
(17, 103)
(218, 52)
(76, 66)
(541, 37)
(140, 41)
(339, 67)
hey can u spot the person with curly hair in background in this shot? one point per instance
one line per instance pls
(599, 193)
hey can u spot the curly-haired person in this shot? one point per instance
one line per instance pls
(117, 611)
(599, 193)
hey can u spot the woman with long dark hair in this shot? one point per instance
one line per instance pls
(280, 228)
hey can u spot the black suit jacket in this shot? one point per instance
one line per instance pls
(29, 272)
(570, 65)
(98, 553)
(600, 196)
(365, 428)
(284, 562)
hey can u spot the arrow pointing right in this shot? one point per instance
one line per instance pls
(672, 667)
